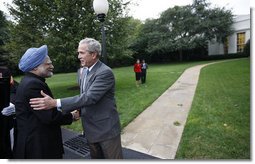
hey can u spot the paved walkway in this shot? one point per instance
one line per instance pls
(158, 129)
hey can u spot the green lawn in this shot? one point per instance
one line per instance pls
(218, 125)
(131, 101)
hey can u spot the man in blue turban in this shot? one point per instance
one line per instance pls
(38, 132)
(32, 58)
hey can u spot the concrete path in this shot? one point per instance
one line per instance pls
(158, 129)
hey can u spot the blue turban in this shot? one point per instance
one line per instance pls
(32, 58)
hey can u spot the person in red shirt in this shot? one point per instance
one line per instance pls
(138, 71)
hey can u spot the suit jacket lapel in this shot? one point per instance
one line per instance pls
(94, 69)
(79, 76)
(93, 72)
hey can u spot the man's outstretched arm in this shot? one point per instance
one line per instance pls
(44, 103)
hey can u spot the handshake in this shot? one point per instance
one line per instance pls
(76, 115)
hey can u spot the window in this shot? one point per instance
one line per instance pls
(240, 42)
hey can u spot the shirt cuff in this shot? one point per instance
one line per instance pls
(59, 105)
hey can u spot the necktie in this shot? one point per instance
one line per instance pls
(82, 73)
(85, 74)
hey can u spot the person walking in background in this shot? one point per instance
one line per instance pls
(97, 103)
(138, 71)
(144, 71)
(38, 132)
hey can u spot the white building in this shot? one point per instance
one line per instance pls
(236, 41)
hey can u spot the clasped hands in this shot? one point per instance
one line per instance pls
(76, 115)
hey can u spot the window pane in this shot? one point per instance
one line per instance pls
(240, 41)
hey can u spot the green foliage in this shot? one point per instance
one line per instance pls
(145, 32)
(4, 37)
(131, 101)
(3, 29)
(247, 49)
(183, 28)
(61, 25)
(218, 125)
(121, 60)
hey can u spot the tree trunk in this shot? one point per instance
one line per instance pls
(180, 55)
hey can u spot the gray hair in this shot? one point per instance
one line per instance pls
(92, 45)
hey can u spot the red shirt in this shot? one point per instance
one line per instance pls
(137, 67)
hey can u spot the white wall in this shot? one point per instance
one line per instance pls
(241, 24)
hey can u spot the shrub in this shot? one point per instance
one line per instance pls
(246, 51)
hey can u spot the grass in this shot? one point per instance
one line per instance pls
(131, 101)
(218, 125)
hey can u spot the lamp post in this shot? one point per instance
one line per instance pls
(101, 8)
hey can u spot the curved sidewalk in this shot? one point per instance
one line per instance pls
(157, 130)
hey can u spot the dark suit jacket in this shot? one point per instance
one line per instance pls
(38, 132)
(97, 104)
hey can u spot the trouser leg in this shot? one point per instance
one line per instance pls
(109, 149)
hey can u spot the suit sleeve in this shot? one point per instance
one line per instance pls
(100, 84)
(53, 117)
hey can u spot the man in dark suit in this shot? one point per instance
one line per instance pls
(38, 132)
(97, 103)
(7, 100)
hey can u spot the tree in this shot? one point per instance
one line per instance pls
(179, 35)
(61, 25)
(183, 28)
(194, 26)
(4, 37)
(146, 34)
(128, 35)
(213, 22)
